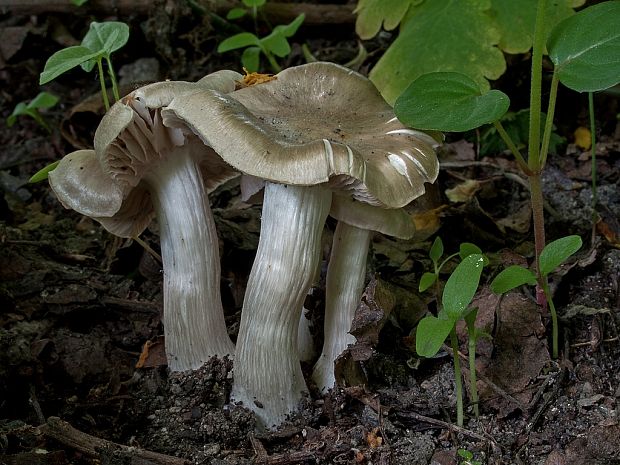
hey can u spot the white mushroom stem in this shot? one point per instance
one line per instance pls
(346, 274)
(194, 326)
(267, 375)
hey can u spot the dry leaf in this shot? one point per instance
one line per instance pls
(464, 191)
(373, 439)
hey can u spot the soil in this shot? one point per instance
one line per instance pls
(79, 308)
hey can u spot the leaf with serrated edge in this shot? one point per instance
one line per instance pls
(585, 48)
(511, 277)
(556, 252)
(441, 35)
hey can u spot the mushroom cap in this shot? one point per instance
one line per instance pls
(106, 184)
(394, 222)
(316, 123)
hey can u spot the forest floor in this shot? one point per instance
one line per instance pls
(77, 305)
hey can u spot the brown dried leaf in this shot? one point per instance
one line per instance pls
(464, 191)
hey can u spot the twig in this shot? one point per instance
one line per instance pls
(92, 446)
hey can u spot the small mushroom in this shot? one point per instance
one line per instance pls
(315, 129)
(346, 274)
(139, 169)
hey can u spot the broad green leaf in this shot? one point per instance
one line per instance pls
(20, 109)
(277, 44)
(441, 35)
(461, 286)
(516, 19)
(254, 3)
(250, 59)
(430, 334)
(511, 277)
(371, 14)
(43, 100)
(241, 40)
(554, 253)
(105, 38)
(236, 13)
(585, 48)
(436, 250)
(449, 102)
(64, 60)
(467, 248)
(289, 30)
(42, 174)
(426, 281)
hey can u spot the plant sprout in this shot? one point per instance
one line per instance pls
(43, 101)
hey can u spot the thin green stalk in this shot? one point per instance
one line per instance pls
(511, 145)
(40, 120)
(536, 88)
(272, 61)
(473, 387)
(554, 319)
(538, 217)
(117, 97)
(593, 151)
(104, 92)
(553, 95)
(458, 379)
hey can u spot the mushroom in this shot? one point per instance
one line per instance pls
(139, 169)
(346, 274)
(315, 129)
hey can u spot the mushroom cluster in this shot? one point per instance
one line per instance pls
(322, 141)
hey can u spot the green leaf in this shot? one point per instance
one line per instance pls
(105, 38)
(461, 286)
(470, 320)
(250, 59)
(436, 250)
(19, 110)
(467, 248)
(78, 2)
(449, 102)
(43, 100)
(236, 13)
(254, 3)
(511, 277)
(441, 35)
(289, 30)
(430, 334)
(241, 40)
(277, 44)
(371, 14)
(516, 20)
(584, 48)
(42, 174)
(64, 60)
(426, 281)
(557, 252)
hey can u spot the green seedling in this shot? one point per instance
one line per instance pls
(251, 7)
(79, 2)
(43, 101)
(432, 331)
(583, 49)
(101, 40)
(272, 46)
(468, 457)
(553, 255)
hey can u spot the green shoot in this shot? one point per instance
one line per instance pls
(553, 255)
(101, 40)
(272, 46)
(43, 101)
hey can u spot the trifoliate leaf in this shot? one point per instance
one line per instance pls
(441, 35)
(516, 20)
(584, 48)
(449, 102)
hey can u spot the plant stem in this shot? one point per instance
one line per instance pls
(554, 319)
(471, 349)
(272, 61)
(593, 151)
(553, 94)
(117, 97)
(511, 145)
(458, 379)
(536, 88)
(104, 92)
(536, 199)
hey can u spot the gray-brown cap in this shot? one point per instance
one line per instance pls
(313, 124)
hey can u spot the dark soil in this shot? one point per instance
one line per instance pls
(77, 305)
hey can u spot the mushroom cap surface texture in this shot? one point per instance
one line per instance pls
(313, 124)
(106, 183)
